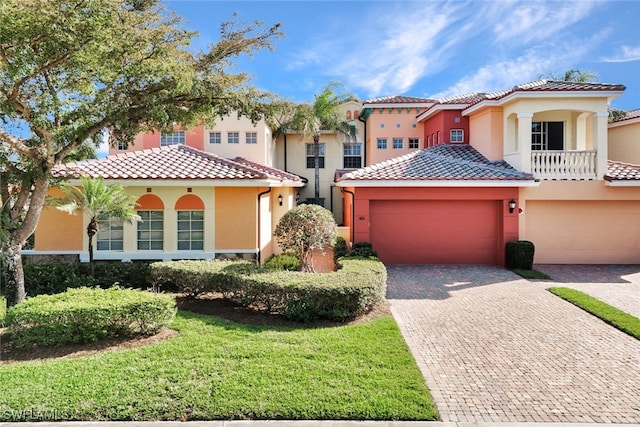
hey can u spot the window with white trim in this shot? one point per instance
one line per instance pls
(215, 138)
(233, 137)
(251, 137)
(110, 235)
(414, 143)
(122, 145)
(190, 230)
(382, 144)
(547, 136)
(456, 135)
(151, 230)
(310, 151)
(352, 156)
(171, 138)
(398, 143)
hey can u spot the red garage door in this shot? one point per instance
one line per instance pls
(435, 232)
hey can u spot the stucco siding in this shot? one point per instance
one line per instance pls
(235, 218)
(624, 142)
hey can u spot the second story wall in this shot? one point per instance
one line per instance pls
(393, 132)
(445, 127)
(624, 141)
(486, 132)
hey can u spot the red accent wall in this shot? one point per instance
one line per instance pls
(443, 121)
(507, 222)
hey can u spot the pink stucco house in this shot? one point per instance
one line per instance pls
(531, 162)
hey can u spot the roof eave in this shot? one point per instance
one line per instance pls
(437, 183)
(437, 108)
(622, 183)
(609, 94)
(199, 182)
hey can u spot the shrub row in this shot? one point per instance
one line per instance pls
(54, 278)
(88, 314)
(351, 291)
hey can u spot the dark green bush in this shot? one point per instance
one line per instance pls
(339, 248)
(285, 261)
(54, 278)
(519, 254)
(362, 250)
(351, 291)
(88, 314)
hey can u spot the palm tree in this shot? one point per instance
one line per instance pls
(571, 75)
(323, 115)
(280, 119)
(97, 199)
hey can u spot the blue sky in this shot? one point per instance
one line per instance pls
(430, 48)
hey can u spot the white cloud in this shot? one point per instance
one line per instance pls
(625, 54)
(526, 22)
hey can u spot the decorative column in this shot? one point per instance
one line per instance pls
(524, 140)
(600, 143)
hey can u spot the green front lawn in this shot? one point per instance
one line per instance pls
(612, 315)
(217, 369)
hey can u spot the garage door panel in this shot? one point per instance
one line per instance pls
(584, 231)
(435, 232)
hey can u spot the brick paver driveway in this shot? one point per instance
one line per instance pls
(497, 348)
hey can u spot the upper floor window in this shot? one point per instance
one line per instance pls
(438, 137)
(171, 138)
(251, 137)
(233, 137)
(215, 138)
(456, 135)
(547, 136)
(122, 145)
(398, 143)
(110, 234)
(382, 143)
(356, 114)
(311, 151)
(352, 156)
(414, 143)
(348, 115)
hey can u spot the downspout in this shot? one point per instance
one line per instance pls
(285, 152)
(353, 212)
(259, 196)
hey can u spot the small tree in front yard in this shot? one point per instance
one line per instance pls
(304, 229)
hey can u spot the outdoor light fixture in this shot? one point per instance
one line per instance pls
(297, 196)
(512, 205)
(280, 199)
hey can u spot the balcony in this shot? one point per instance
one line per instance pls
(564, 165)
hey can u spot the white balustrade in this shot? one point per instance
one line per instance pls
(567, 165)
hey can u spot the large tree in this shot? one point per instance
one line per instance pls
(72, 69)
(323, 115)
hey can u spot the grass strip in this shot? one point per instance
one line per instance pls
(218, 369)
(611, 315)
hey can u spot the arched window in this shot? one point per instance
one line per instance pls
(190, 226)
(356, 114)
(348, 115)
(151, 228)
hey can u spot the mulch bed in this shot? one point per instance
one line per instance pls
(210, 304)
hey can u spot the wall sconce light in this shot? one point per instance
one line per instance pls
(512, 205)
(297, 197)
(280, 199)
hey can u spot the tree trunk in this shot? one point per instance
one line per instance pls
(13, 273)
(92, 229)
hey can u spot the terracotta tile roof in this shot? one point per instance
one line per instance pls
(633, 114)
(399, 100)
(268, 170)
(173, 162)
(619, 171)
(443, 162)
(550, 86)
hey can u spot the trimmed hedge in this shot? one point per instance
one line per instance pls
(88, 314)
(353, 290)
(54, 278)
(519, 254)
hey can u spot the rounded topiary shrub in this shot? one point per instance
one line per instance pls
(85, 315)
(519, 254)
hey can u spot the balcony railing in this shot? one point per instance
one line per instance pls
(553, 164)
